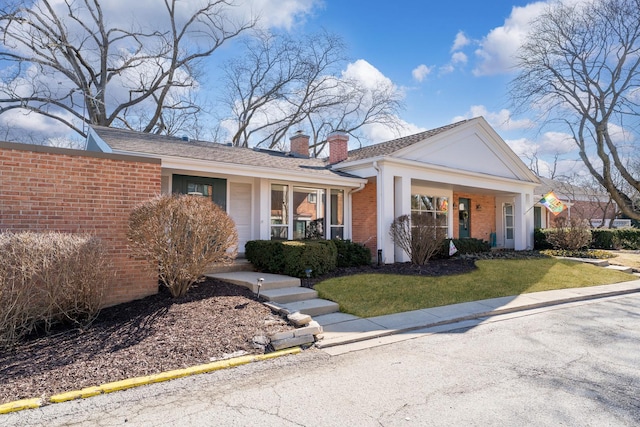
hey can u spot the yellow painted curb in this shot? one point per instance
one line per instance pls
(149, 379)
(75, 394)
(19, 405)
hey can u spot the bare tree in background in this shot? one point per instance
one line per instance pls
(68, 62)
(280, 83)
(580, 64)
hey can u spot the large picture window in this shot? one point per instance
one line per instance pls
(302, 213)
(436, 206)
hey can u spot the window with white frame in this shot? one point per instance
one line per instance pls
(437, 206)
(308, 209)
(279, 212)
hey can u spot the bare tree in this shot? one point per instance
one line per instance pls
(279, 83)
(580, 64)
(73, 63)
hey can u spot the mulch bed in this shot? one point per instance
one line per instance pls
(143, 337)
(159, 333)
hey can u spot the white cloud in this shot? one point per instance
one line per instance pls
(459, 58)
(446, 69)
(421, 72)
(557, 143)
(376, 132)
(460, 41)
(500, 120)
(283, 13)
(366, 73)
(498, 48)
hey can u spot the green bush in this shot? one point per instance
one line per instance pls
(602, 238)
(464, 246)
(540, 239)
(265, 255)
(293, 257)
(49, 278)
(352, 254)
(317, 255)
(627, 238)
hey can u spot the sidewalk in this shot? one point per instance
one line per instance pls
(341, 329)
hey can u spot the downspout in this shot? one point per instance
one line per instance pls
(379, 194)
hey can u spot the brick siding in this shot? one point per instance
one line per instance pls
(365, 218)
(52, 189)
(483, 220)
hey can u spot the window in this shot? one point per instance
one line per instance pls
(302, 213)
(308, 213)
(432, 205)
(212, 188)
(279, 211)
(337, 214)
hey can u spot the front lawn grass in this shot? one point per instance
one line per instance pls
(368, 295)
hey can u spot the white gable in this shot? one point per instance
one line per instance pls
(473, 147)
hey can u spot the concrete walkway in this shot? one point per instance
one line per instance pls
(341, 328)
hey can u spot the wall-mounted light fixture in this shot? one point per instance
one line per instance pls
(478, 207)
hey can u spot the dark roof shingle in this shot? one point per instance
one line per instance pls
(123, 140)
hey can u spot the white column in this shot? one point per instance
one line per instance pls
(521, 222)
(385, 202)
(263, 208)
(402, 206)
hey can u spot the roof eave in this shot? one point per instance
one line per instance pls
(197, 165)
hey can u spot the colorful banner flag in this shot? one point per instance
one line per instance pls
(551, 202)
(452, 248)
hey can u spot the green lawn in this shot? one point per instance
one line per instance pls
(368, 295)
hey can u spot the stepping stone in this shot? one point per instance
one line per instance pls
(620, 268)
(313, 307)
(286, 295)
(249, 279)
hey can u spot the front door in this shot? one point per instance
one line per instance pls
(509, 242)
(464, 219)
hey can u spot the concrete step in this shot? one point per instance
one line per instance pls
(287, 295)
(249, 279)
(313, 307)
(596, 262)
(239, 264)
(620, 268)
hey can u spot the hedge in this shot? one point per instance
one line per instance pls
(601, 238)
(293, 258)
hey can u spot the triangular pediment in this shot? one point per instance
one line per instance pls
(472, 147)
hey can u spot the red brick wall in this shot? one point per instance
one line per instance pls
(364, 221)
(52, 189)
(588, 210)
(483, 220)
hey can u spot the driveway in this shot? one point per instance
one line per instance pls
(575, 364)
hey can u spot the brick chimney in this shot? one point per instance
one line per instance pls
(338, 146)
(299, 144)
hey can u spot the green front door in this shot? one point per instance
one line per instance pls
(464, 218)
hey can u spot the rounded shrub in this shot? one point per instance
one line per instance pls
(182, 235)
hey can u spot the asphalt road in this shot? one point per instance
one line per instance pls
(570, 365)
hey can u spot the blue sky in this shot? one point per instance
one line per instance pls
(450, 60)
